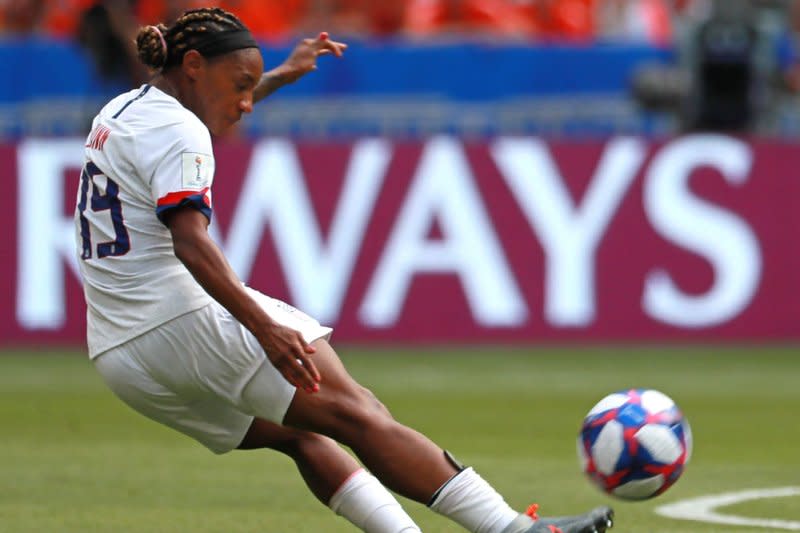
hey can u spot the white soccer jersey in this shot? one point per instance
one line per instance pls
(146, 154)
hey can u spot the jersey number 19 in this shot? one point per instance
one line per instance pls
(101, 202)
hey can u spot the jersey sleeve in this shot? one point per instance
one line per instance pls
(183, 177)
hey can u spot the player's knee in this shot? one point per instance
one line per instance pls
(359, 412)
(371, 409)
(370, 397)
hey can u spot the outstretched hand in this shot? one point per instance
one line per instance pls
(303, 59)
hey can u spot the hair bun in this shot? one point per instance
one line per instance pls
(151, 46)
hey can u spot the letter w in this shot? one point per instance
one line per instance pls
(274, 193)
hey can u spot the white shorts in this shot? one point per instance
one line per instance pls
(204, 374)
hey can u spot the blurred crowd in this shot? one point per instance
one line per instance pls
(652, 21)
(736, 59)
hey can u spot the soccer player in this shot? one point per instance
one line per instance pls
(178, 337)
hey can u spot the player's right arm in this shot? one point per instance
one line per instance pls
(285, 347)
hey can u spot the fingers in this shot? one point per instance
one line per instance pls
(307, 363)
(298, 375)
(299, 368)
(325, 45)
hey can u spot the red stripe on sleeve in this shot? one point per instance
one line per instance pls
(175, 198)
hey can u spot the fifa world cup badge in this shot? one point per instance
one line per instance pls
(197, 170)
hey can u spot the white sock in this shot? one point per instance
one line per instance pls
(369, 506)
(470, 501)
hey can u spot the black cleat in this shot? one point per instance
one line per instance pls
(598, 520)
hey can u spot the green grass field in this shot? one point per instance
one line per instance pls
(73, 458)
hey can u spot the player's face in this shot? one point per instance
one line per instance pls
(227, 88)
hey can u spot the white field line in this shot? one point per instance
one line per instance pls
(702, 509)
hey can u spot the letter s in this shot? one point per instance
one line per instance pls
(718, 235)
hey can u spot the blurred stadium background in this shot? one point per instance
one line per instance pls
(506, 208)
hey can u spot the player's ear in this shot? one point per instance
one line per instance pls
(193, 64)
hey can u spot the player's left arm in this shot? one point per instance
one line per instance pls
(301, 61)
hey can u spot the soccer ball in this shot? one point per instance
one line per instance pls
(634, 444)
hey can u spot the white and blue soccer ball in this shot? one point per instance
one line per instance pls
(634, 444)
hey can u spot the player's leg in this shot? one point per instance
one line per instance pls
(407, 461)
(352, 415)
(403, 459)
(334, 477)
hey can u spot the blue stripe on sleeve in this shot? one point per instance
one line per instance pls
(196, 201)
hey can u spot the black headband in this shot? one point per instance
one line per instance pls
(226, 41)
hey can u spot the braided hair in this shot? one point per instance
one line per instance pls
(161, 47)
